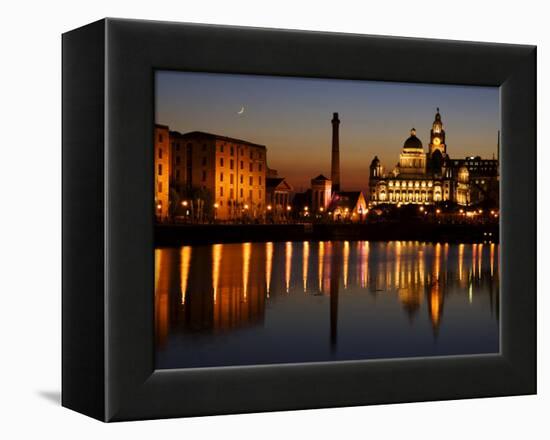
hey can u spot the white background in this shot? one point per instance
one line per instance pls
(30, 221)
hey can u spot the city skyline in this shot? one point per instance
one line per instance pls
(291, 116)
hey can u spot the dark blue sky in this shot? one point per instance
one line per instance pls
(291, 116)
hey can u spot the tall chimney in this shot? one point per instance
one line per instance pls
(335, 163)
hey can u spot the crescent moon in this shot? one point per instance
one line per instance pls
(241, 111)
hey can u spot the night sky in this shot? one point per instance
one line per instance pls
(291, 117)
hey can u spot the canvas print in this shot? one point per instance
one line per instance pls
(317, 220)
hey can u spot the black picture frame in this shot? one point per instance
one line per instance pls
(107, 300)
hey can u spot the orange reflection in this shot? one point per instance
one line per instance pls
(327, 263)
(437, 262)
(435, 303)
(288, 264)
(320, 264)
(397, 263)
(185, 260)
(268, 264)
(346, 263)
(216, 260)
(364, 262)
(163, 265)
(305, 263)
(241, 292)
(460, 260)
(479, 259)
(246, 268)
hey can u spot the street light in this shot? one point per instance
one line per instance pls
(288, 208)
(184, 203)
(269, 207)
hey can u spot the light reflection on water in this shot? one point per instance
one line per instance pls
(258, 303)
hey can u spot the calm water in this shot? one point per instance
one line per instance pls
(260, 303)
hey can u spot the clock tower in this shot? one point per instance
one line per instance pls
(437, 136)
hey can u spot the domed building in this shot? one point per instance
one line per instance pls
(422, 177)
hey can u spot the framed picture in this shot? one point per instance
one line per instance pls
(261, 220)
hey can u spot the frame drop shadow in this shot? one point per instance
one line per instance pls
(52, 396)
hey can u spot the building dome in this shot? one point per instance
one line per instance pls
(413, 141)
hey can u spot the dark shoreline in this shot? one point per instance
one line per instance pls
(177, 235)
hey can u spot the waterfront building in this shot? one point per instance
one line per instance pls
(321, 193)
(348, 205)
(422, 177)
(279, 196)
(228, 174)
(162, 172)
(180, 168)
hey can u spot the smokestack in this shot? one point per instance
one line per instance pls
(335, 163)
